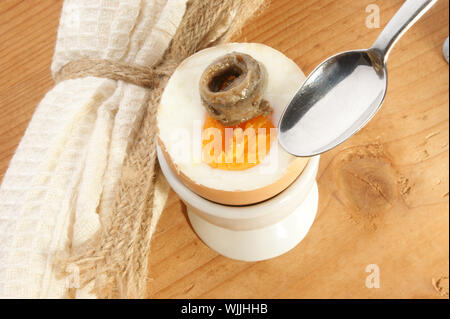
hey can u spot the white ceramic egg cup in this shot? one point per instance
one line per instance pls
(255, 232)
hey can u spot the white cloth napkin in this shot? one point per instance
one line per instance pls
(65, 171)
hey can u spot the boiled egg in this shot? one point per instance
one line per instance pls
(238, 164)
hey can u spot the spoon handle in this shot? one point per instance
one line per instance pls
(409, 13)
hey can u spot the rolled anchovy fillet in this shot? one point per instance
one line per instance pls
(232, 87)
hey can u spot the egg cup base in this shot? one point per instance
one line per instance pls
(263, 243)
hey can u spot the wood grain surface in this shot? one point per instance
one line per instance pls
(383, 194)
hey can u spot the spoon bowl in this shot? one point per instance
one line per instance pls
(343, 93)
(339, 97)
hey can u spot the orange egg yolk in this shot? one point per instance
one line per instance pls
(237, 147)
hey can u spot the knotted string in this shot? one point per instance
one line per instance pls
(137, 75)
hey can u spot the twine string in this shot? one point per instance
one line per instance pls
(138, 75)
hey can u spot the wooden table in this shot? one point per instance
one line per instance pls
(383, 194)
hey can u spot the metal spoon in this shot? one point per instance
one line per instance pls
(343, 93)
(445, 50)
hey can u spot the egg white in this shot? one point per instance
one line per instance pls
(181, 116)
